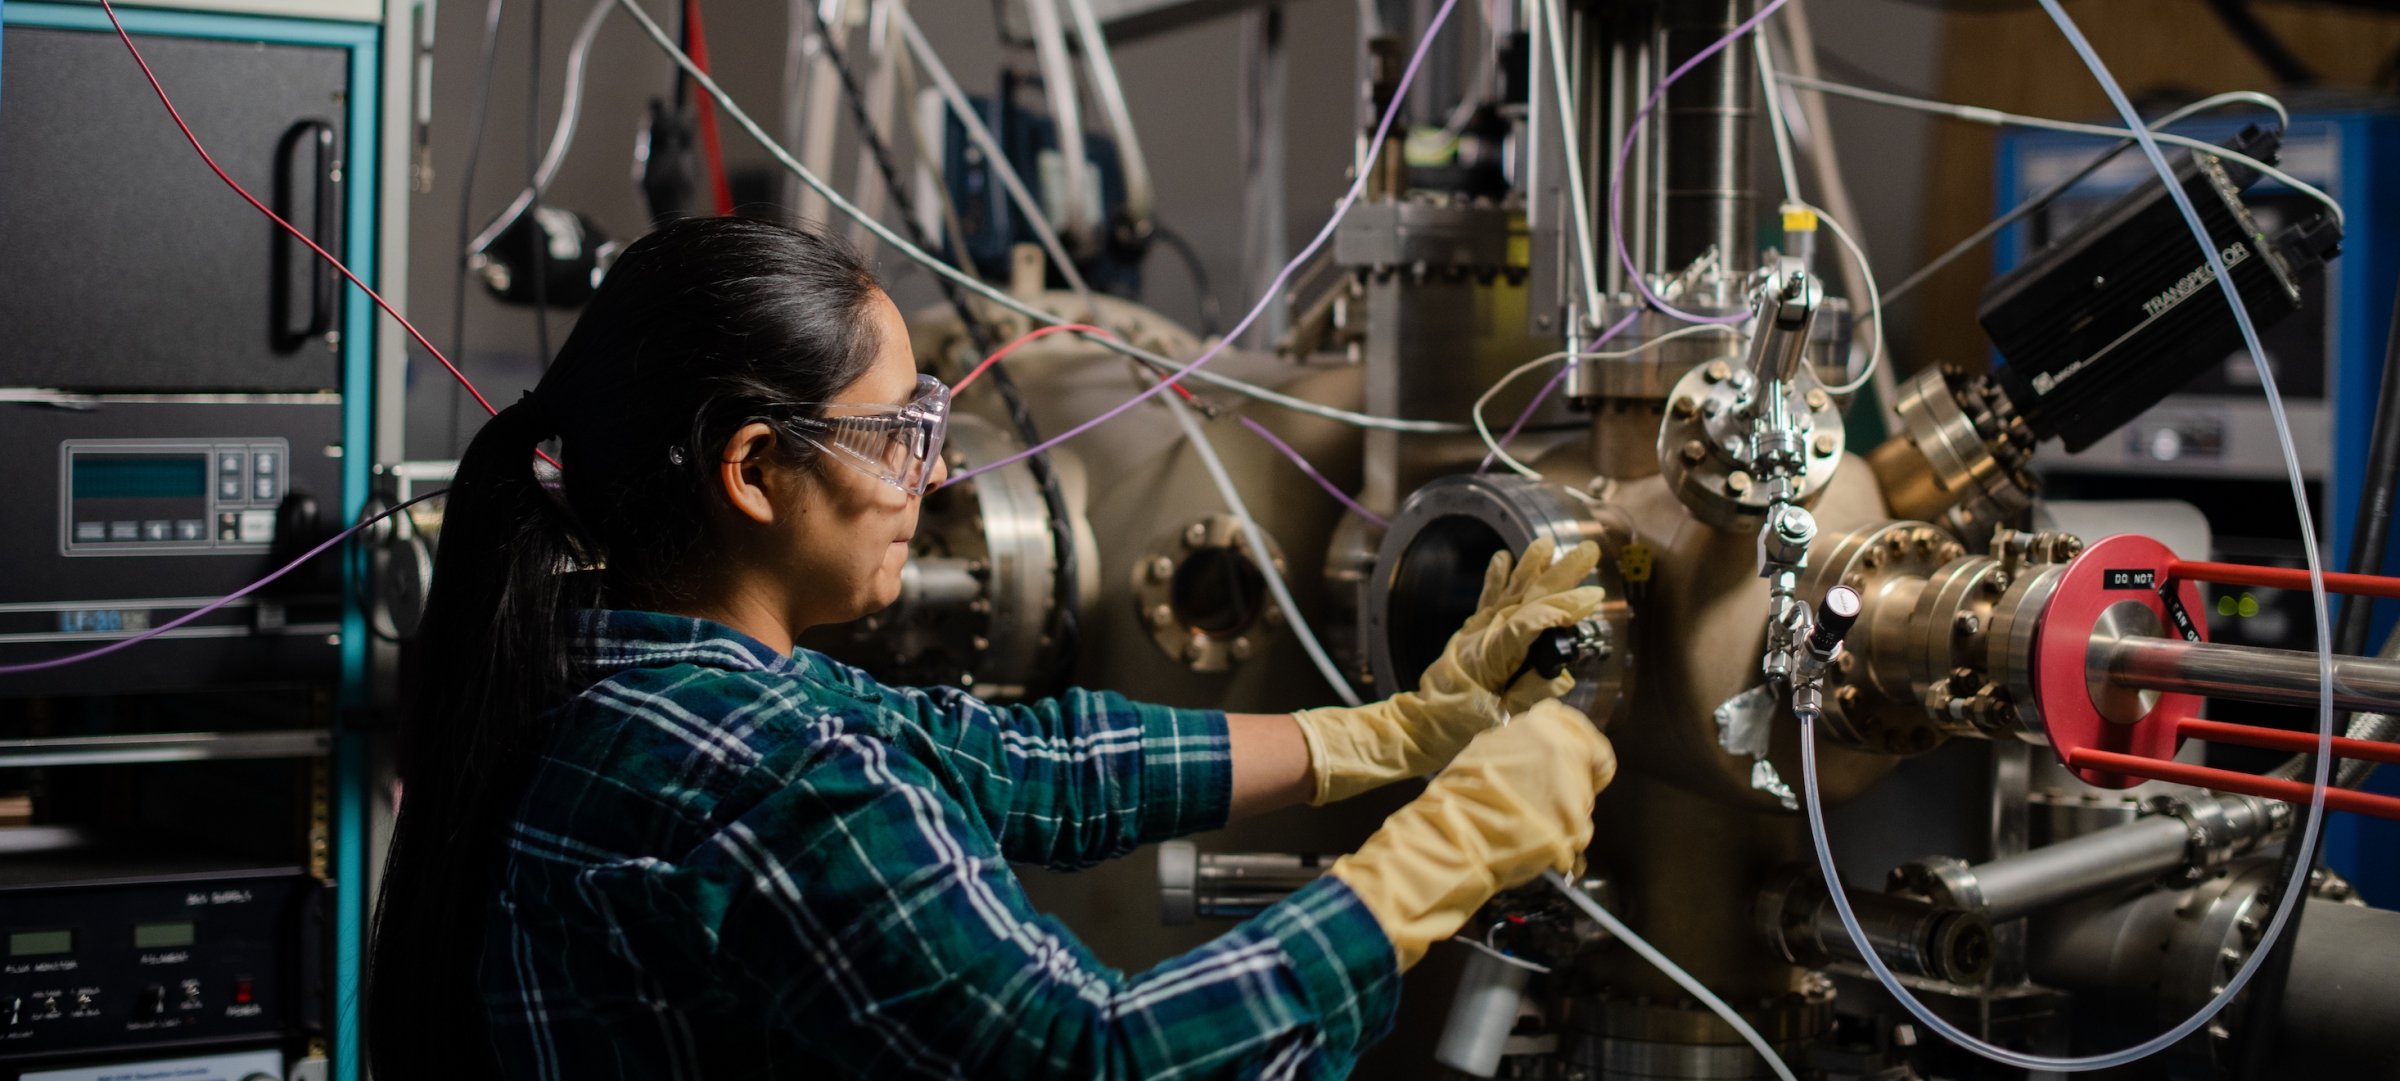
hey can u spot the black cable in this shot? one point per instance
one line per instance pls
(2368, 535)
(1211, 314)
(466, 214)
(2372, 531)
(2270, 50)
(533, 177)
(1067, 598)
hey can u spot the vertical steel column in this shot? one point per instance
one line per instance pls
(1708, 201)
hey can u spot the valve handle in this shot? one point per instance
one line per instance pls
(1835, 617)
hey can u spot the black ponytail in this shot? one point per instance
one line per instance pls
(699, 327)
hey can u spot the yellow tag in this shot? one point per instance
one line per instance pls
(1633, 561)
(1799, 219)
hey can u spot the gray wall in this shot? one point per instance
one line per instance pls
(1182, 88)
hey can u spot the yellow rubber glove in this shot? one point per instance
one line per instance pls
(1353, 749)
(1516, 802)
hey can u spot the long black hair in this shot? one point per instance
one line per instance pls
(700, 327)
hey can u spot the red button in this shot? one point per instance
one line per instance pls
(241, 992)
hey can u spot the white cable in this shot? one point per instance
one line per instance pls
(1141, 199)
(1614, 926)
(995, 158)
(1261, 555)
(2215, 101)
(1976, 114)
(1874, 302)
(1066, 114)
(978, 286)
(1586, 255)
(1483, 428)
(561, 138)
(2295, 887)
(1777, 123)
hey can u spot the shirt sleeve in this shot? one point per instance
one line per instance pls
(888, 936)
(1087, 776)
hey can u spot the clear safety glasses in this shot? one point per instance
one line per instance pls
(896, 444)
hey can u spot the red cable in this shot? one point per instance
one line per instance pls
(238, 189)
(708, 109)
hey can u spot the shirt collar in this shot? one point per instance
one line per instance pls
(613, 639)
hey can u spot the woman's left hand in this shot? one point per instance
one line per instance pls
(1468, 689)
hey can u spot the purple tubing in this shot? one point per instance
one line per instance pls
(1330, 487)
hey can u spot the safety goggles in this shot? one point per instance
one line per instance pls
(896, 444)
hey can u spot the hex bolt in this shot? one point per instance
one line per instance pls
(1162, 616)
(1717, 372)
(1737, 482)
(1694, 450)
(1826, 445)
(1966, 623)
(1240, 649)
(1195, 535)
(1162, 569)
(1684, 407)
(1817, 400)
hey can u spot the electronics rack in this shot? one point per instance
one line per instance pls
(183, 383)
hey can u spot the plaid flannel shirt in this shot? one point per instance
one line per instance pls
(732, 863)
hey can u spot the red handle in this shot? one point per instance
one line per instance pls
(2242, 574)
(2278, 740)
(2339, 799)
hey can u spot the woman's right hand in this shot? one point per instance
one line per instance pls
(1516, 802)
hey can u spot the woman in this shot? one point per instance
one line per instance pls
(643, 836)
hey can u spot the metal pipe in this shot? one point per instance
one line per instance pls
(1914, 936)
(2019, 885)
(2203, 830)
(1228, 885)
(2245, 673)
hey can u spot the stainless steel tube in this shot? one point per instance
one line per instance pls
(2273, 676)
(2027, 882)
(1707, 122)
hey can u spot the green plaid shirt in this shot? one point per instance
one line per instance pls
(733, 863)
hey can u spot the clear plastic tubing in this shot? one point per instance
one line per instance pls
(2292, 889)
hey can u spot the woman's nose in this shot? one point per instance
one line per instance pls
(941, 472)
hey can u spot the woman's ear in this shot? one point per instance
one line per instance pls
(743, 468)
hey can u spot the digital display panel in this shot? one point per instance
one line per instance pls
(140, 476)
(40, 943)
(161, 936)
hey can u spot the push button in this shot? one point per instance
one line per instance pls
(229, 489)
(152, 1005)
(264, 463)
(229, 526)
(191, 529)
(86, 532)
(263, 489)
(229, 462)
(124, 531)
(157, 529)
